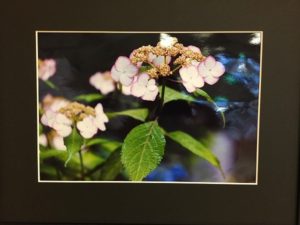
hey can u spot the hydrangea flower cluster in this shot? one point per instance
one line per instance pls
(87, 119)
(46, 68)
(138, 73)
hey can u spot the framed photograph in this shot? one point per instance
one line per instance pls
(171, 115)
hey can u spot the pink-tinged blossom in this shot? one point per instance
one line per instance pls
(123, 71)
(54, 103)
(191, 78)
(103, 82)
(211, 70)
(89, 126)
(158, 60)
(47, 69)
(58, 122)
(101, 117)
(144, 87)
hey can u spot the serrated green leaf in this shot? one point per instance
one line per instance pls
(112, 166)
(173, 95)
(196, 147)
(138, 114)
(142, 150)
(200, 92)
(106, 144)
(89, 97)
(73, 142)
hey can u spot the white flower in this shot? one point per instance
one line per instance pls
(57, 142)
(211, 70)
(144, 87)
(87, 127)
(54, 103)
(48, 118)
(191, 78)
(43, 140)
(58, 122)
(158, 60)
(123, 71)
(100, 118)
(166, 41)
(47, 68)
(103, 82)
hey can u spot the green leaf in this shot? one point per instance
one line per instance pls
(138, 114)
(173, 95)
(196, 147)
(106, 144)
(112, 166)
(89, 97)
(142, 150)
(200, 92)
(73, 142)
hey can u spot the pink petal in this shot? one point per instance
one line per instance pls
(218, 70)
(143, 79)
(125, 79)
(211, 80)
(184, 74)
(198, 81)
(150, 95)
(138, 90)
(131, 70)
(210, 62)
(189, 87)
(194, 48)
(115, 74)
(122, 62)
(203, 70)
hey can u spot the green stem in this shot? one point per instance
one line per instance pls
(162, 97)
(81, 165)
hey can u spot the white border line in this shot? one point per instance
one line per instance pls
(151, 182)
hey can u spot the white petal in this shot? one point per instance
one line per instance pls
(189, 87)
(203, 70)
(99, 108)
(150, 95)
(48, 118)
(209, 62)
(194, 48)
(62, 119)
(211, 80)
(184, 74)
(125, 79)
(218, 69)
(62, 129)
(197, 81)
(122, 62)
(115, 74)
(138, 90)
(131, 70)
(143, 79)
(87, 127)
(99, 123)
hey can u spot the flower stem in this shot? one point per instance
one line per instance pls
(81, 165)
(162, 97)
